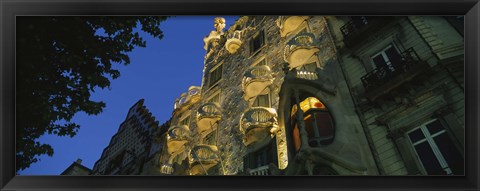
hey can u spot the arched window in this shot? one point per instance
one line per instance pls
(318, 123)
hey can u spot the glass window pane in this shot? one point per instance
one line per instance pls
(451, 154)
(296, 138)
(434, 127)
(429, 160)
(393, 56)
(379, 61)
(416, 135)
(325, 127)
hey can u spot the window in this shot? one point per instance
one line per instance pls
(260, 62)
(261, 157)
(215, 76)
(318, 123)
(215, 98)
(210, 139)
(436, 149)
(387, 58)
(262, 101)
(257, 42)
(185, 121)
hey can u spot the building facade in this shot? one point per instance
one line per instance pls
(321, 95)
(132, 146)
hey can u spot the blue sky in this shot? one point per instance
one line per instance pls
(158, 73)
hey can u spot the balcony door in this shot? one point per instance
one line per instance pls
(387, 59)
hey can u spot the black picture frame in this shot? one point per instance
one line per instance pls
(10, 9)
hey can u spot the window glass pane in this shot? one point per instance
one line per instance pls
(261, 101)
(434, 127)
(429, 160)
(296, 138)
(379, 61)
(257, 42)
(393, 56)
(416, 135)
(452, 156)
(319, 128)
(215, 75)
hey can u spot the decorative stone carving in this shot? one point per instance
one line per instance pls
(212, 40)
(289, 24)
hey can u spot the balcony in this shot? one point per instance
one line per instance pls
(358, 29)
(188, 98)
(384, 79)
(207, 115)
(177, 137)
(260, 171)
(256, 80)
(301, 50)
(166, 169)
(258, 123)
(234, 41)
(289, 24)
(203, 158)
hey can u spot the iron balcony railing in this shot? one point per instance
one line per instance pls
(354, 25)
(358, 29)
(408, 62)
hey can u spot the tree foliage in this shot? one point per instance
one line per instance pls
(59, 62)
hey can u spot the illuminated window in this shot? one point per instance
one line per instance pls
(436, 149)
(318, 123)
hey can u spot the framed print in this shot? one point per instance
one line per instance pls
(241, 95)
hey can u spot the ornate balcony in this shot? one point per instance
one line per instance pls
(384, 79)
(207, 115)
(289, 24)
(177, 137)
(255, 80)
(301, 50)
(234, 41)
(203, 158)
(257, 123)
(188, 98)
(358, 29)
(306, 74)
(166, 169)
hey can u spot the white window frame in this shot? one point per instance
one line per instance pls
(384, 56)
(429, 138)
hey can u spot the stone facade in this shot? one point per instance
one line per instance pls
(321, 95)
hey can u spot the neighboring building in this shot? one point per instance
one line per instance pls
(77, 169)
(319, 95)
(131, 146)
